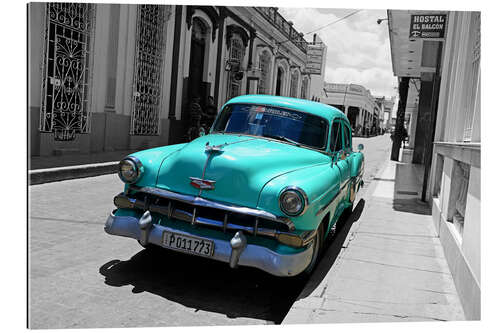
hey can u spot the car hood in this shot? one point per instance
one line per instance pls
(240, 170)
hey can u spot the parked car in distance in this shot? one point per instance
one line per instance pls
(262, 189)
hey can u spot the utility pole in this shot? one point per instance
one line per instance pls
(400, 117)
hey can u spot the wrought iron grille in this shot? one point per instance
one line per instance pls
(147, 85)
(66, 70)
(236, 54)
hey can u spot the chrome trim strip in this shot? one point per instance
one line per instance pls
(322, 209)
(198, 201)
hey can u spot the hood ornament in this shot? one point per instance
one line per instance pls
(202, 184)
(213, 149)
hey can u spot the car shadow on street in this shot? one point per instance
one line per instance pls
(204, 284)
(333, 246)
(208, 285)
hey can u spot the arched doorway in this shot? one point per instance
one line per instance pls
(197, 60)
(352, 115)
(279, 81)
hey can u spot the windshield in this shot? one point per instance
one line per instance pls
(284, 124)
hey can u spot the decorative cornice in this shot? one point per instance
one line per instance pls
(211, 13)
(234, 29)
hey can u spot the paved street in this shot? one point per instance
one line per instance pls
(80, 277)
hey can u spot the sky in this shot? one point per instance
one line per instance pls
(358, 47)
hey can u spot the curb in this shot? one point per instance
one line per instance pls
(299, 315)
(42, 176)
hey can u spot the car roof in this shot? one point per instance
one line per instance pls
(323, 110)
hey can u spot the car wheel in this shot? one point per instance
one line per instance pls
(317, 245)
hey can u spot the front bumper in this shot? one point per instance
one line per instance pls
(248, 255)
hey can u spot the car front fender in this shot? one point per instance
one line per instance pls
(321, 185)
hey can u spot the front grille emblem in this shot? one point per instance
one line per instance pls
(202, 184)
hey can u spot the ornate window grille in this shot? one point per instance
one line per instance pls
(265, 68)
(147, 84)
(66, 70)
(473, 94)
(294, 81)
(236, 54)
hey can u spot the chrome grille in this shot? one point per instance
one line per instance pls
(198, 211)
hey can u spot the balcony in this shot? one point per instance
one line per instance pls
(271, 14)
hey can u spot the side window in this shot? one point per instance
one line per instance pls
(347, 138)
(336, 137)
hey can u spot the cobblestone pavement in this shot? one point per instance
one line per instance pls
(80, 277)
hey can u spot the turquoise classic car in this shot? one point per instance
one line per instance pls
(262, 189)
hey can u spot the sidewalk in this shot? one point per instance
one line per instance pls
(391, 266)
(56, 168)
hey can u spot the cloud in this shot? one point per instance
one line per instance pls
(358, 47)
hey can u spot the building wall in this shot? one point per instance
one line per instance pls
(456, 167)
(113, 64)
(348, 96)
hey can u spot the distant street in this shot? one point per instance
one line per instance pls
(80, 277)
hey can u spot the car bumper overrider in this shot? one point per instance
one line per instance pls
(235, 252)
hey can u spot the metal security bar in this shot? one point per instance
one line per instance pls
(147, 85)
(66, 72)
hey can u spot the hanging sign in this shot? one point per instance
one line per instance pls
(314, 58)
(427, 26)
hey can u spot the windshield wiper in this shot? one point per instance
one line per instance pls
(282, 138)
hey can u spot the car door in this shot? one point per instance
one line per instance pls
(337, 148)
(347, 144)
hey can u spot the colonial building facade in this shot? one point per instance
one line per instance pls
(357, 103)
(108, 77)
(440, 84)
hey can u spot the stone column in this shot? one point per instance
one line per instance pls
(400, 117)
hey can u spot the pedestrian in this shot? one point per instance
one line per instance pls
(210, 112)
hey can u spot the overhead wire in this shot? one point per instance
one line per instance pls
(327, 25)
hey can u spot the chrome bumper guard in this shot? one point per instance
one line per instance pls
(288, 238)
(235, 252)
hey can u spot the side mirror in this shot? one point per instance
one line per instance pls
(340, 155)
(361, 147)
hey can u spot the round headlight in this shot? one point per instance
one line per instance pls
(129, 170)
(293, 201)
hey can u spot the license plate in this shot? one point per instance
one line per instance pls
(188, 244)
